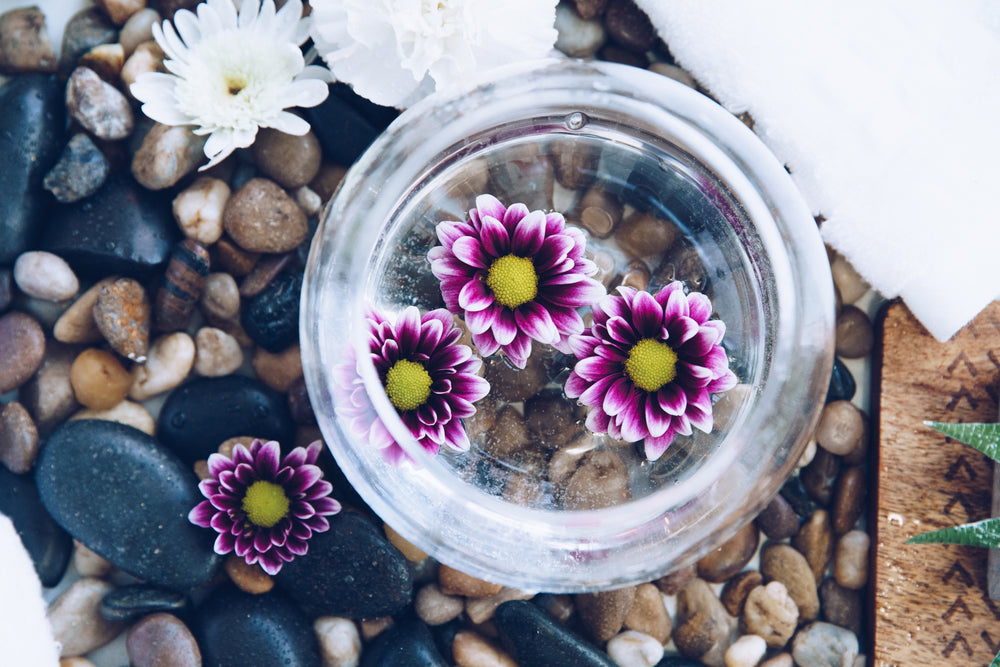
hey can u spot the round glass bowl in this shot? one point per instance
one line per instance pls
(666, 186)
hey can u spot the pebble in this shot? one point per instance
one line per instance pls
(343, 131)
(271, 318)
(602, 614)
(480, 610)
(778, 520)
(330, 175)
(848, 499)
(848, 281)
(22, 347)
(263, 272)
(859, 454)
(590, 9)
(405, 644)
(120, 10)
(676, 73)
(373, 627)
(770, 613)
(780, 562)
(98, 106)
(815, 541)
(138, 29)
(709, 625)
(45, 276)
(601, 480)
(734, 594)
(106, 61)
(648, 614)
(128, 603)
(146, 57)
(168, 153)
(234, 259)
(350, 570)
(855, 336)
(76, 324)
(453, 582)
(435, 607)
(289, 160)
(90, 564)
(824, 645)
(725, 561)
(220, 298)
(248, 578)
(235, 628)
(48, 395)
(24, 42)
(850, 565)
(842, 384)
(80, 171)
(18, 438)
(548, 416)
(616, 54)
(170, 359)
(818, 478)
(85, 30)
(217, 353)
(841, 606)
(841, 426)
(339, 641)
(75, 661)
(182, 285)
(189, 423)
(308, 200)
(162, 639)
(645, 235)
(412, 553)
(141, 528)
(679, 661)
(120, 229)
(628, 26)
(32, 116)
(48, 545)
(534, 639)
(122, 314)
(470, 649)
(674, 582)
(77, 624)
(99, 381)
(634, 649)
(780, 660)
(6, 288)
(577, 37)
(747, 651)
(697, 635)
(198, 209)
(261, 217)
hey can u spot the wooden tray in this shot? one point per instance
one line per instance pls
(929, 603)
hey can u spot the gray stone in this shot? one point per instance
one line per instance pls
(24, 42)
(824, 645)
(80, 171)
(578, 38)
(167, 154)
(22, 347)
(98, 106)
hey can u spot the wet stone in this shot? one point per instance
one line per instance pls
(45, 276)
(824, 645)
(162, 639)
(271, 318)
(703, 626)
(815, 541)
(778, 520)
(849, 282)
(841, 426)
(77, 624)
(217, 353)
(6, 289)
(534, 639)
(600, 480)
(263, 272)
(131, 602)
(80, 171)
(578, 38)
(99, 380)
(123, 315)
(603, 613)
(147, 57)
(248, 578)
(86, 478)
(725, 561)
(236, 629)
(819, 476)
(168, 153)
(76, 324)
(854, 334)
(590, 9)
(190, 423)
(299, 404)
(48, 545)
(841, 606)
(291, 161)
(18, 438)
(90, 564)
(169, 361)
(106, 60)
(120, 10)
(98, 106)
(22, 347)
(617, 54)
(48, 395)
(220, 297)
(842, 384)
(24, 42)
(644, 235)
(85, 30)
(406, 643)
(511, 384)
(350, 570)
(182, 285)
(850, 566)
(734, 594)
(780, 562)
(454, 582)
(527, 177)
(233, 259)
(261, 217)
(31, 135)
(674, 583)
(629, 26)
(434, 607)
(848, 499)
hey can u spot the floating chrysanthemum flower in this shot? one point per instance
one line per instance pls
(429, 377)
(649, 366)
(265, 508)
(230, 74)
(515, 276)
(396, 51)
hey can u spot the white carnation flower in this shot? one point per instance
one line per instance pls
(231, 73)
(396, 51)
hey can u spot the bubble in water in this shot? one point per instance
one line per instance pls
(576, 120)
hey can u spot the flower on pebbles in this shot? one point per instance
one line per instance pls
(649, 365)
(265, 508)
(428, 376)
(396, 51)
(515, 276)
(230, 74)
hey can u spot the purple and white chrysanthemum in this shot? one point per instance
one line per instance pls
(429, 377)
(515, 275)
(649, 366)
(265, 508)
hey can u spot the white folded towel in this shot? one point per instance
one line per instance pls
(25, 634)
(886, 113)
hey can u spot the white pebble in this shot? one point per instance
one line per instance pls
(308, 200)
(808, 454)
(126, 412)
(469, 649)
(339, 641)
(634, 649)
(850, 283)
(168, 363)
(221, 298)
(850, 565)
(88, 563)
(198, 209)
(45, 276)
(746, 651)
(434, 607)
(216, 353)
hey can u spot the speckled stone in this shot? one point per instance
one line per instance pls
(406, 643)
(248, 578)
(168, 153)
(85, 30)
(123, 314)
(48, 395)
(534, 639)
(80, 171)
(18, 438)
(22, 347)
(648, 614)
(728, 559)
(628, 26)
(98, 106)
(128, 603)
(24, 42)
(106, 60)
(220, 298)
(291, 161)
(217, 353)
(261, 217)
(815, 541)
(182, 285)
(77, 624)
(198, 209)
(271, 318)
(778, 520)
(780, 562)
(162, 639)
(848, 499)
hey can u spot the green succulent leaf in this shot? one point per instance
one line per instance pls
(982, 437)
(984, 533)
(996, 661)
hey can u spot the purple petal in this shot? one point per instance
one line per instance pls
(553, 251)
(617, 397)
(504, 326)
(268, 459)
(475, 296)
(298, 547)
(262, 541)
(217, 463)
(573, 290)
(535, 321)
(566, 320)
(518, 350)
(716, 361)
(595, 368)
(448, 266)
(456, 436)
(202, 514)
(496, 241)
(647, 316)
(724, 383)
(449, 358)
(619, 330)
(481, 321)
(318, 490)
(224, 543)
(632, 422)
(676, 306)
(699, 344)
(715, 325)
(691, 375)
(326, 506)
(663, 296)
(529, 234)
(598, 420)
(699, 419)
(491, 206)
(555, 223)
(656, 446)
(575, 385)
(244, 544)
(672, 399)
(583, 345)
(469, 250)
(448, 231)
(680, 330)
(657, 421)
(297, 456)
(304, 477)
(594, 392)
(242, 455)
(270, 563)
(699, 307)
(514, 215)
(486, 343)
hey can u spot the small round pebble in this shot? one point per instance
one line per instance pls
(577, 37)
(601, 480)
(855, 336)
(221, 297)
(840, 427)
(48, 395)
(841, 606)
(216, 353)
(76, 324)
(22, 347)
(746, 651)
(18, 438)
(162, 639)
(470, 649)
(24, 42)
(76, 620)
(454, 582)
(674, 583)
(634, 649)
(308, 200)
(778, 520)
(674, 72)
(339, 641)
(848, 499)
(824, 645)
(648, 614)
(817, 478)
(88, 563)
(98, 106)
(780, 660)
(123, 313)
(198, 209)
(81, 170)
(734, 593)
(125, 412)
(168, 153)
(262, 217)
(780, 562)
(99, 380)
(770, 613)
(45, 276)
(629, 26)
(849, 282)
(248, 578)
(815, 541)
(725, 561)
(170, 360)
(75, 661)
(434, 607)
(105, 60)
(138, 29)
(850, 564)
(278, 370)
(146, 57)
(290, 160)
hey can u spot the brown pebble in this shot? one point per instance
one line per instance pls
(434, 607)
(602, 614)
(99, 380)
(138, 29)
(263, 272)
(850, 562)
(551, 419)
(841, 427)
(145, 57)
(327, 180)
(48, 395)
(261, 217)
(299, 404)
(122, 314)
(76, 620)
(248, 578)
(601, 480)
(291, 161)
(854, 333)
(770, 612)
(648, 614)
(410, 552)
(734, 593)
(697, 635)
(119, 11)
(841, 606)
(217, 354)
(778, 520)
(575, 163)
(98, 106)
(18, 438)
(106, 60)
(125, 412)
(232, 258)
(682, 262)
(729, 558)
(182, 285)
(629, 26)
(201, 469)
(820, 475)
(373, 627)
(674, 583)
(848, 499)
(226, 448)
(512, 385)
(22, 348)
(815, 541)
(453, 582)
(637, 276)
(479, 610)
(162, 639)
(645, 235)
(616, 54)
(780, 562)
(859, 454)
(168, 153)
(24, 42)
(590, 9)
(220, 298)
(88, 563)
(599, 212)
(76, 324)
(470, 649)
(507, 434)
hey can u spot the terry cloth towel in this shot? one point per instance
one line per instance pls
(887, 115)
(25, 634)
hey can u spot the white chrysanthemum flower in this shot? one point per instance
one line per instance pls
(231, 73)
(396, 51)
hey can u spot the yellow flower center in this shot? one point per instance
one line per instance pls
(513, 280)
(651, 364)
(408, 385)
(265, 503)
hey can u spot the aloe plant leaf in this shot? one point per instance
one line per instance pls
(996, 661)
(984, 533)
(982, 437)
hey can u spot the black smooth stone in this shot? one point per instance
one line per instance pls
(80, 171)
(343, 131)
(6, 288)
(444, 634)
(271, 318)
(842, 384)
(795, 493)
(200, 415)
(406, 644)
(678, 661)
(85, 30)
(535, 639)
(32, 132)
(49, 546)
(350, 570)
(127, 497)
(130, 602)
(236, 629)
(121, 229)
